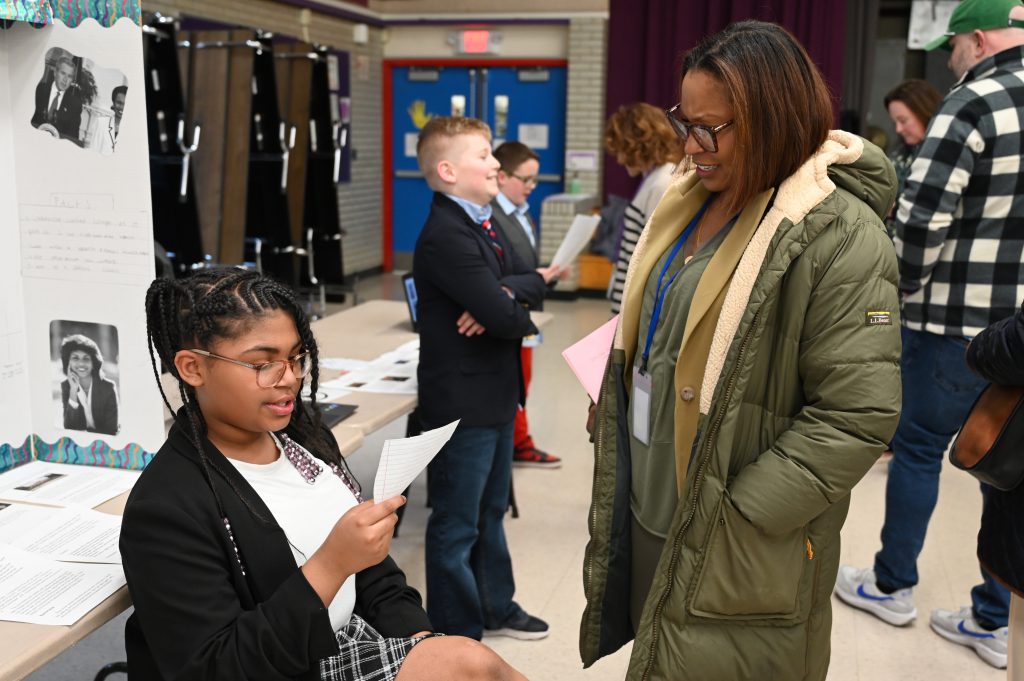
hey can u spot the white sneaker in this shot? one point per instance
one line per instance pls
(857, 588)
(960, 627)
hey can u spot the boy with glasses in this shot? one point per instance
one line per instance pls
(517, 178)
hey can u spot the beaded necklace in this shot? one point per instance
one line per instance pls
(309, 467)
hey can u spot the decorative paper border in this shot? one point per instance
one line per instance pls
(11, 456)
(66, 450)
(71, 12)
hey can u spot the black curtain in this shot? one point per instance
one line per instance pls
(859, 62)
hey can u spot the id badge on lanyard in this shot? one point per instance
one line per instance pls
(641, 405)
(642, 388)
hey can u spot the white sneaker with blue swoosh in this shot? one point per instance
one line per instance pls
(857, 588)
(961, 627)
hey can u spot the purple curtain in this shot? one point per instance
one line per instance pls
(648, 38)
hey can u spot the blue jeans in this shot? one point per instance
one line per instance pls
(938, 391)
(469, 571)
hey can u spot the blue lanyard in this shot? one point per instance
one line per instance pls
(659, 295)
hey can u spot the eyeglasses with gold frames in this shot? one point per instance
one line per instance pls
(268, 374)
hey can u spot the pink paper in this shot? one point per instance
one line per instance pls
(589, 357)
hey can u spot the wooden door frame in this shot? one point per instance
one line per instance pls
(387, 216)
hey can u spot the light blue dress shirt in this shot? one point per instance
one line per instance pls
(476, 212)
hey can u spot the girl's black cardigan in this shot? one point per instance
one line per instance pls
(197, 615)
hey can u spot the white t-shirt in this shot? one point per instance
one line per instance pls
(306, 513)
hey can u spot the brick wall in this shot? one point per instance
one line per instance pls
(588, 39)
(359, 200)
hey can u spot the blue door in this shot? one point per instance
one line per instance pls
(519, 103)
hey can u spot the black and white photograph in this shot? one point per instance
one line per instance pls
(79, 101)
(33, 485)
(84, 356)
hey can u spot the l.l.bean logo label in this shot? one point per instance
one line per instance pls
(879, 318)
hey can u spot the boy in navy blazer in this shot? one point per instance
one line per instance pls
(474, 299)
(517, 178)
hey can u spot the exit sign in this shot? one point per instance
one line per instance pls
(476, 41)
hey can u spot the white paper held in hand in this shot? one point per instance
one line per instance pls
(576, 239)
(403, 459)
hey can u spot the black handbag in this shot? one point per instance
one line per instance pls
(990, 445)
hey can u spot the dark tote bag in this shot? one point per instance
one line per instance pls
(990, 445)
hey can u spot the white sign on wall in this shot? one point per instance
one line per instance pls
(581, 159)
(928, 20)
(533, 135)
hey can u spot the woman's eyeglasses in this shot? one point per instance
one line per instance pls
(707, 137)
(268, 374)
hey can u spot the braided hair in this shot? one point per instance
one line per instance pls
(222, 303)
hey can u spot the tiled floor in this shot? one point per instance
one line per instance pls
(547, 544)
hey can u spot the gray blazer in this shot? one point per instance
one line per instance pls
(510, 228)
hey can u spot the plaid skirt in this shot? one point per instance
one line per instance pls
(365, 655)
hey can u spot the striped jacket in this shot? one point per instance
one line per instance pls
(638, 212)
(960, 223)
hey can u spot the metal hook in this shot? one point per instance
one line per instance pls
(286, 135)
(339, 134)
(186, 150)
(310, 259)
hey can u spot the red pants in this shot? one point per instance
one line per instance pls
(521, 436)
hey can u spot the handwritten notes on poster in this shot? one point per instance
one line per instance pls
(83, 238)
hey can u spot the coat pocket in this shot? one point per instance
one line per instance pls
(747, 574)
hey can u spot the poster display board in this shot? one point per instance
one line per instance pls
(76, 241)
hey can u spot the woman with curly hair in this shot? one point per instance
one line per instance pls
(643, 143)
(89, 400)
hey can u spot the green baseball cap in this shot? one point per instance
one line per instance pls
(977, 15)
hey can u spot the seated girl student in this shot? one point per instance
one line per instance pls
(753, 380)
(248, 551)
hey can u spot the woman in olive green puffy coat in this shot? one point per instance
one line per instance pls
(753, 380)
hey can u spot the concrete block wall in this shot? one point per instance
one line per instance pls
(557, 213)
(359, 201)
(588, 39)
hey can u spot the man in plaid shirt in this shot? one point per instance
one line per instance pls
(960, 242)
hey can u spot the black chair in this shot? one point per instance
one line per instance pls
(112, 668)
